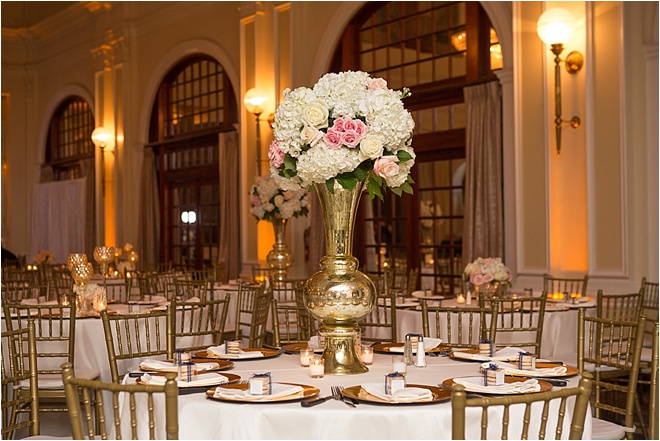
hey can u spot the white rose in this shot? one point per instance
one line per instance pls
(278, 200)
(371, 147)
(315, 114)
(311, 135)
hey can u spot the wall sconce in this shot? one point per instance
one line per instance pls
(555, 27)
(254, 103)
(101, 138)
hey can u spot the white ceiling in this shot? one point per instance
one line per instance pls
(17, 14)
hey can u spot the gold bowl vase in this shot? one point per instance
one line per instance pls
(279, 258)
(339, 295)
(492, 290)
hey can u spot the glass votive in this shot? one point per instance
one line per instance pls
(316, 366)
(367, 355)
(460, 298)
(399, 364)
(305, 356)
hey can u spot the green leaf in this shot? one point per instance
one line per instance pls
(347, 180)
(407, 188)
(397, 190)
(403, 156)
(373, 186)
(290, 163)
(362, 171)
(330, 183)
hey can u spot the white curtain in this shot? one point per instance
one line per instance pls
(59, 218)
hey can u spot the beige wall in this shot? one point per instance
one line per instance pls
(592, 209)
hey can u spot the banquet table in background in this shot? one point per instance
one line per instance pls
(204, 418)
(559, 327)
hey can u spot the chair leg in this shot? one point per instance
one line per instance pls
(640, 416)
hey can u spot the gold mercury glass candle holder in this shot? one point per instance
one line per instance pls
(104, 256)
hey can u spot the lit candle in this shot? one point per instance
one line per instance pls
(305, 356)
(367, 355)
(316, 367)
(460, 298)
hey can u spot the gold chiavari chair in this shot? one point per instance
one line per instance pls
(612, 350)
(288, 324)
(14, 274)
(553, 285)
(308, 323)
(284, 291)
(649, 292)
(55, 331)
(518, 321)
(457, 327)
(116, 290)
(207, 274)
(200, 324)
(252, 313)
(16, 292)
(540, 408)
(623, 307)
(63, 283)
(187, 289)
(139, 422)
(135, 336)
(19, 370)
(380, 324)
(159, 267)
(647, 385)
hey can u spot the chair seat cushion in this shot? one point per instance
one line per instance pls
(54, 381)
(602, 429)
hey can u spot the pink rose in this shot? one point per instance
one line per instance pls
(256, 201)
(338, 125)
(477, 279)
(386, 166)
(488, 278)
(333, 139)
(350, 125)
(377, 83)
(360, 128)
(351, 138)
(275, 155)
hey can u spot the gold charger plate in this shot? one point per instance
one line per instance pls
(308, 392)
(222, 365)
(384, 348)
(232, 378)
(268, 353)
(359, 394)
(545, 386)
(297, 347)
(570, 370)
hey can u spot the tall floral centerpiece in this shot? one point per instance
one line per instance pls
(489, 277)
(269, 202)
(346, 133)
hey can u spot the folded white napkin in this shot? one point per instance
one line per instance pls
(405, 395)
(278, 391)
(166, 366)
(207, 379)
(429, 343)
(36, 302)
(418, 294)
(314, 343)
(503, 354)
(476, 384)
(193, 300)
(219, 351)
(544, 372)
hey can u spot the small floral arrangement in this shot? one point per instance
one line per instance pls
(488, 270)
(44, 257)
(270, 202)
(91, 290)
(348, 128)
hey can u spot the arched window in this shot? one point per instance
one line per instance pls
(435, 49)
(195, 103)
(70, 138)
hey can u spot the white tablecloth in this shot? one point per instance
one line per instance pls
(202, 418)
(559, 329)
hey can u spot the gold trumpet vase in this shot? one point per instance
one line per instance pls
(279, 258)
(339, 295)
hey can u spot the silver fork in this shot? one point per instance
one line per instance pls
(336, 390)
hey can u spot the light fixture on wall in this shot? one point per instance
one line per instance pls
(254, 101)
(555, 28)
(101, 138)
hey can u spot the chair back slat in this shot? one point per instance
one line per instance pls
(517, 322)
(457, 327)
(252, 313)
(380, 324)
(622, 307)
(142, 411)
(200, 324)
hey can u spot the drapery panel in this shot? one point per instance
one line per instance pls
(149, 211)
(229, 252)
(59, 217)
(483, 230)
